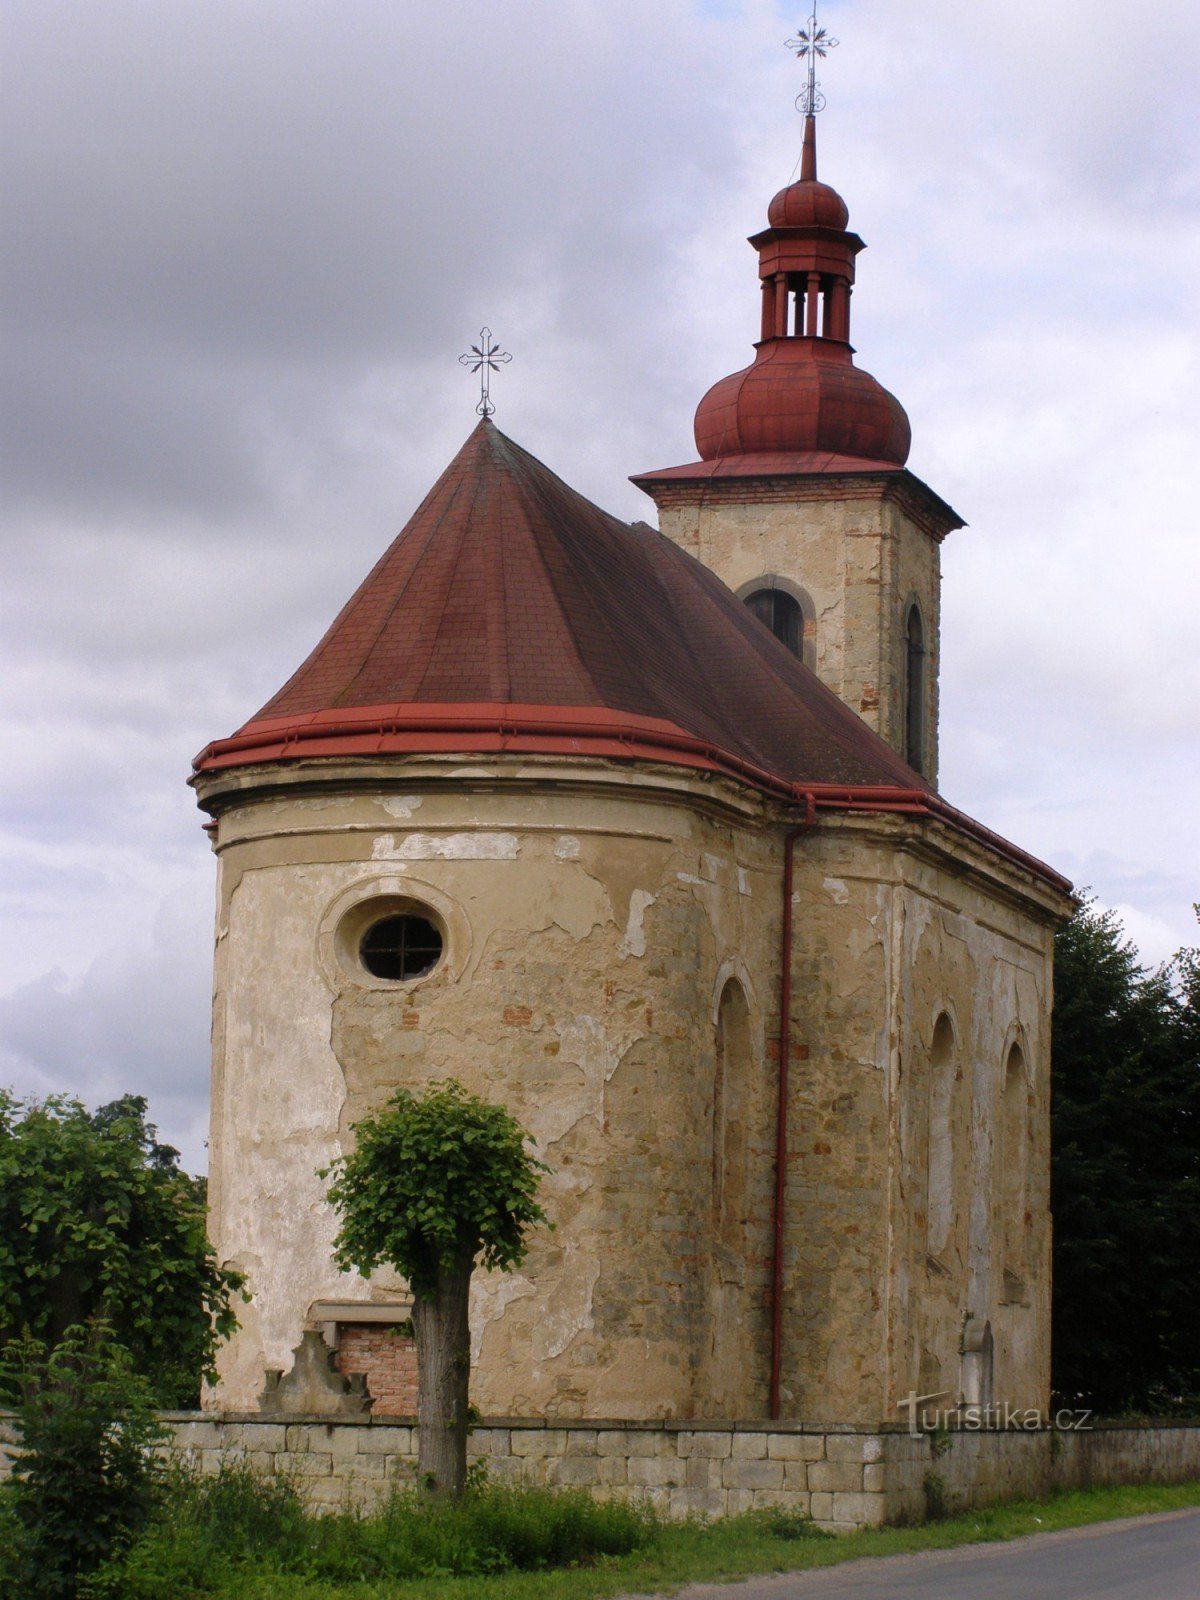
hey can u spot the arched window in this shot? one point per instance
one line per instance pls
(1014, 1150)
(914, 689)
(978, 1362)
(782, 614)
(939, 1206)
(731, 1345)
(730, 1090)
(788, 610)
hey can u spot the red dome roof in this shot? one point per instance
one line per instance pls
(808, 204)
(800, 395)
(803, 396)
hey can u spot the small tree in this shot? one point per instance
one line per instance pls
(86, 1474)
(435, 1182)
(99, 1221)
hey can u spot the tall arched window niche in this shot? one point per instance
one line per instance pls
(939, 1201)
(734, 1328)
(914, 687)
(1014, 1164)
(789, 612)
(731, 1089)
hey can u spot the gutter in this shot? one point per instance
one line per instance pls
(781, 1111)
(500, 728)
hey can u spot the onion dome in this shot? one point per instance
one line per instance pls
(803, 395)
(808, 205)
(795, 399)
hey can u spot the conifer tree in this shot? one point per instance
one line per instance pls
(1125, 1172)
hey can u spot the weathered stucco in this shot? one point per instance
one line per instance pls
(611, 973)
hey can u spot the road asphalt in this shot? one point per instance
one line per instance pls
(1138, 1558)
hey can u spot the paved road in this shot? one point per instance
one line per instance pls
(1140, 1558)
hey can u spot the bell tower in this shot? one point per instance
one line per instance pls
(801, 501)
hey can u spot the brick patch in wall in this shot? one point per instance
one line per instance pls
(388, 1361)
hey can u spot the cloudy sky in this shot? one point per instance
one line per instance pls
(247, 240)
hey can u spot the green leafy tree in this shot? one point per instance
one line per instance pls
(1125, 1171)
(86, 1474)
(436, 1182)
(99, 1221)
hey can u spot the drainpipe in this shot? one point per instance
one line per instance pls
(781, 1119)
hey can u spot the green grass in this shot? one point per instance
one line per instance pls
(237, 1536)
(737, 1547)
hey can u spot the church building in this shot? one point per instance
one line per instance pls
(637, 832)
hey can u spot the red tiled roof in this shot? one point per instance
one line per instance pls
(512, 615)
(510, 590)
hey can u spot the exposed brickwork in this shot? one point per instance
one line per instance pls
(388, 1360)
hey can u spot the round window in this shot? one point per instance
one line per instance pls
(400, 948)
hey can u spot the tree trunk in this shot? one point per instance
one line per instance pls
(443, 1339)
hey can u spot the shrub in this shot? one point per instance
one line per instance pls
(779, 1523)
(209, 1530)
(99, 1222)
(86, 1477)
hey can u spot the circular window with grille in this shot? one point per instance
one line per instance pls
(401, 947)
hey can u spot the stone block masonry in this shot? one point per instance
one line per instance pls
(842, 1478)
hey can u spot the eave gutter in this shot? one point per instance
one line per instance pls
(500, 728)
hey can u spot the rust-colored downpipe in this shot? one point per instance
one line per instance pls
(781, 1116)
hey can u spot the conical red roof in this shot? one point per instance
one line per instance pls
(513, 609)
(513, 616)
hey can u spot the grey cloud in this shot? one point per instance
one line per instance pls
(250, 242)
(136, 1022)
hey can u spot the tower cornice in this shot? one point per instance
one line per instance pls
(811, 477)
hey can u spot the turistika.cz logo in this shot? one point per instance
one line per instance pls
(997, 1416)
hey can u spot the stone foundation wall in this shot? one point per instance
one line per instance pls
(843, 1479)
(681, 1468)
(975, 1469)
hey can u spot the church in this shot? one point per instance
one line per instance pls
(636, 830)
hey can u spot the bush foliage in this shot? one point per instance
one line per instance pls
(86, 1476)
(429, 1173)
(209, 1530)
(99, 1221)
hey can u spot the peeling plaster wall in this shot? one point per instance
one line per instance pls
(859, 555)
(893, 932)
(989, 969)
(584, 936)
(592, 924)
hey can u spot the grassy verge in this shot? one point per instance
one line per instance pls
(251, 1540)
(740, 1546)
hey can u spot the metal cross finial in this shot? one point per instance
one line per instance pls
(485, 358)
(809, 43)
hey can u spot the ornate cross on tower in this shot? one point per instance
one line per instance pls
(810, 42)
(485, 358)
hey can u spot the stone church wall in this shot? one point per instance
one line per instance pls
(917, 971)
(611, 974)
(592, 934)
